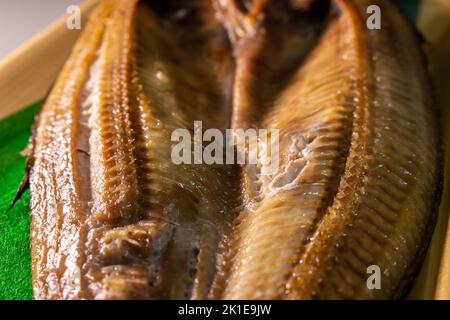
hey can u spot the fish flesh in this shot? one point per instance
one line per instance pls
(358, 181)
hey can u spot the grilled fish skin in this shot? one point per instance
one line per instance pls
(114, 218)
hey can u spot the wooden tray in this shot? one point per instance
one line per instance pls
(28, 73)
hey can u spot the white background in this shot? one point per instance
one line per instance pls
(21, 19)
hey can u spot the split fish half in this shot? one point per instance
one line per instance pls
(358, 181)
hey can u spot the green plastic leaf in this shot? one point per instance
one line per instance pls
(410, 7)
(15, 265)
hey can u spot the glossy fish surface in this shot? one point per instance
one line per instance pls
(114, 217)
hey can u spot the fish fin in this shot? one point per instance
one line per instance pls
(28, 152)
(24, 184)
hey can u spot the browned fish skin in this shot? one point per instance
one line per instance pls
(114, 218)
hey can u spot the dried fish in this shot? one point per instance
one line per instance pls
(113, 217)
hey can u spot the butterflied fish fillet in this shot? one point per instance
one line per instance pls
(113, 217)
